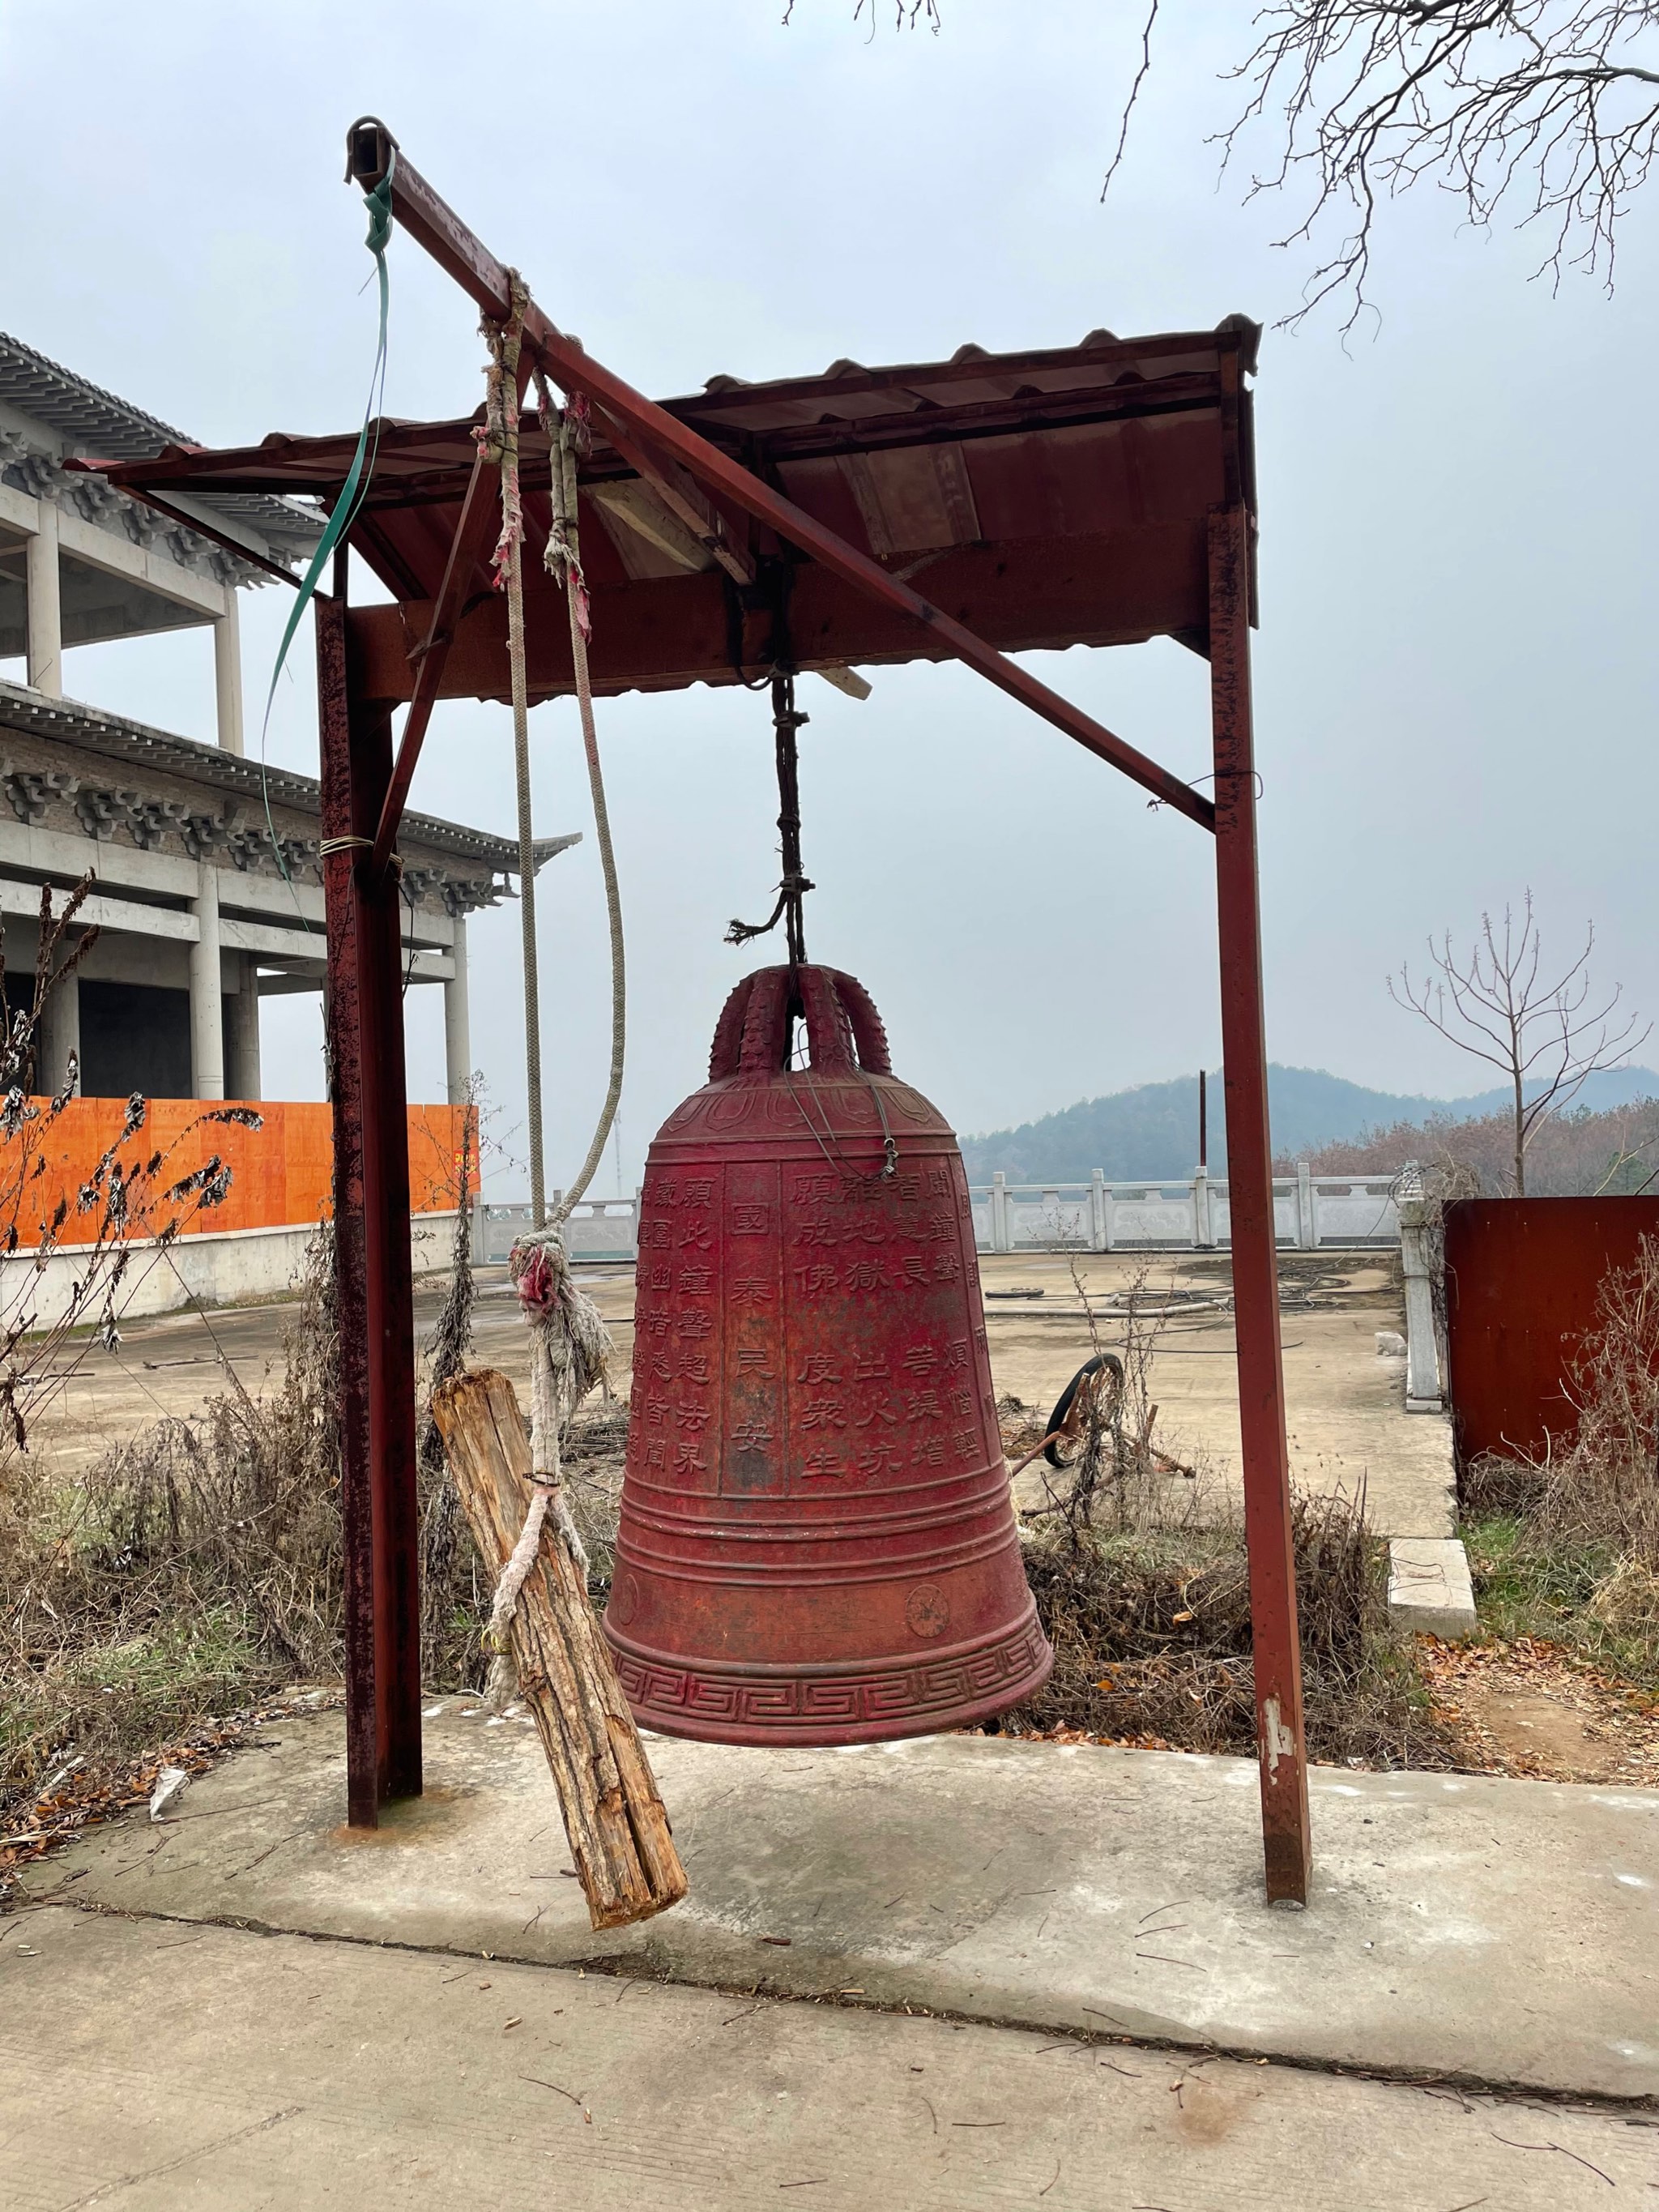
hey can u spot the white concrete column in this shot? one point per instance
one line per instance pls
(458, 1033)
(1098, 1205)
(1307, 1226)
(227, 672)
(1423, 1384)
(59, 1036)
(45, 645)
(1203, 1232)
(245, 1033)
(207, 1029)
(1001, 1239)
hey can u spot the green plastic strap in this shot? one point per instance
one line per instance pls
(358, 476)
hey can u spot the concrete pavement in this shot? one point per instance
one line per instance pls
(1501, 1932)
(145, 2068)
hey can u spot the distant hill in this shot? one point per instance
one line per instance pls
(1152, 1130)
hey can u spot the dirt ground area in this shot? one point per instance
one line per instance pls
(1530, 1708)
(1347, 1406)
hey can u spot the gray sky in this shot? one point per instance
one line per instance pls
(1455, 670)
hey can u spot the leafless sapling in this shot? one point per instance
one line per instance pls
(1547, 1038)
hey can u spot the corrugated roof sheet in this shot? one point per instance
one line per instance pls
(1048, 497)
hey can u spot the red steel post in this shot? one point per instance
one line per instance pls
(342, 1018)
(1274, 1637)
(372, 1262)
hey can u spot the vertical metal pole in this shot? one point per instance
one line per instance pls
(344, 1028)
(372, 1262)
(1277, 1656)
(392, 1436)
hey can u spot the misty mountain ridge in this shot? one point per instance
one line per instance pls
(1151, 1131)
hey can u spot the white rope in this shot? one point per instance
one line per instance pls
(570, 1345)
(500, 440)
(562, 559)
(568, 1342)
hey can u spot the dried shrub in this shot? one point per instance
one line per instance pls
(1606, 1485)
(1151, 1638)
(1579, 1153)
(1567, 1544)
(1602, 1488)
(196, 1565)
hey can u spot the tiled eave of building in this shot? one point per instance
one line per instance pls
(115, 776)
(92, 421)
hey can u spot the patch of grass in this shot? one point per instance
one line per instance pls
(104, 1700)
(1531, 1580)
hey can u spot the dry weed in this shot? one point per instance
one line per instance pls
(194, 1567)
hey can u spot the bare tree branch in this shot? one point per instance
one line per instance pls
(1141, 75)
(1546, 111)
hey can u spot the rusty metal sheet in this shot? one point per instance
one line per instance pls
(1094, 466)
(1521, 1280)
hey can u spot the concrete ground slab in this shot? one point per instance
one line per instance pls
(228, 2072)
(1505, 1933)
(1430, 1590)
(220, 2071)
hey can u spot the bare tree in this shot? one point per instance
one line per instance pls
(1547, 1039)
(1544, 109)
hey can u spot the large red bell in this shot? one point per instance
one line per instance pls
(817, 1544)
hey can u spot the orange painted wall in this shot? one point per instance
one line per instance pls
(281, 1173)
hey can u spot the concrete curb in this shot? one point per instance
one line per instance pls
(1429, 1588)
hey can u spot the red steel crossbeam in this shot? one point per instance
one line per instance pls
(435, 226)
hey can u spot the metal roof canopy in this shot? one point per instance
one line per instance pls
(1102, 493)
(1044, 499)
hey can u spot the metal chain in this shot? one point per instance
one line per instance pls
(787, 719)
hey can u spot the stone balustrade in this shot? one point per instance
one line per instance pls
(1188, 1214)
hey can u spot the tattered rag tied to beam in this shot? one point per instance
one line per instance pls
(497, 435)
(570, 1345)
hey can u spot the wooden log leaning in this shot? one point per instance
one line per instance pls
(613, 1816)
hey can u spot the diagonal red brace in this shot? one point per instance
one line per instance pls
(436, 226)
(479, 517)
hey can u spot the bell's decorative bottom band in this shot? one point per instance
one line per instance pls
(908, 1696)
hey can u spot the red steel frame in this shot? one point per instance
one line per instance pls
(364, 790)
